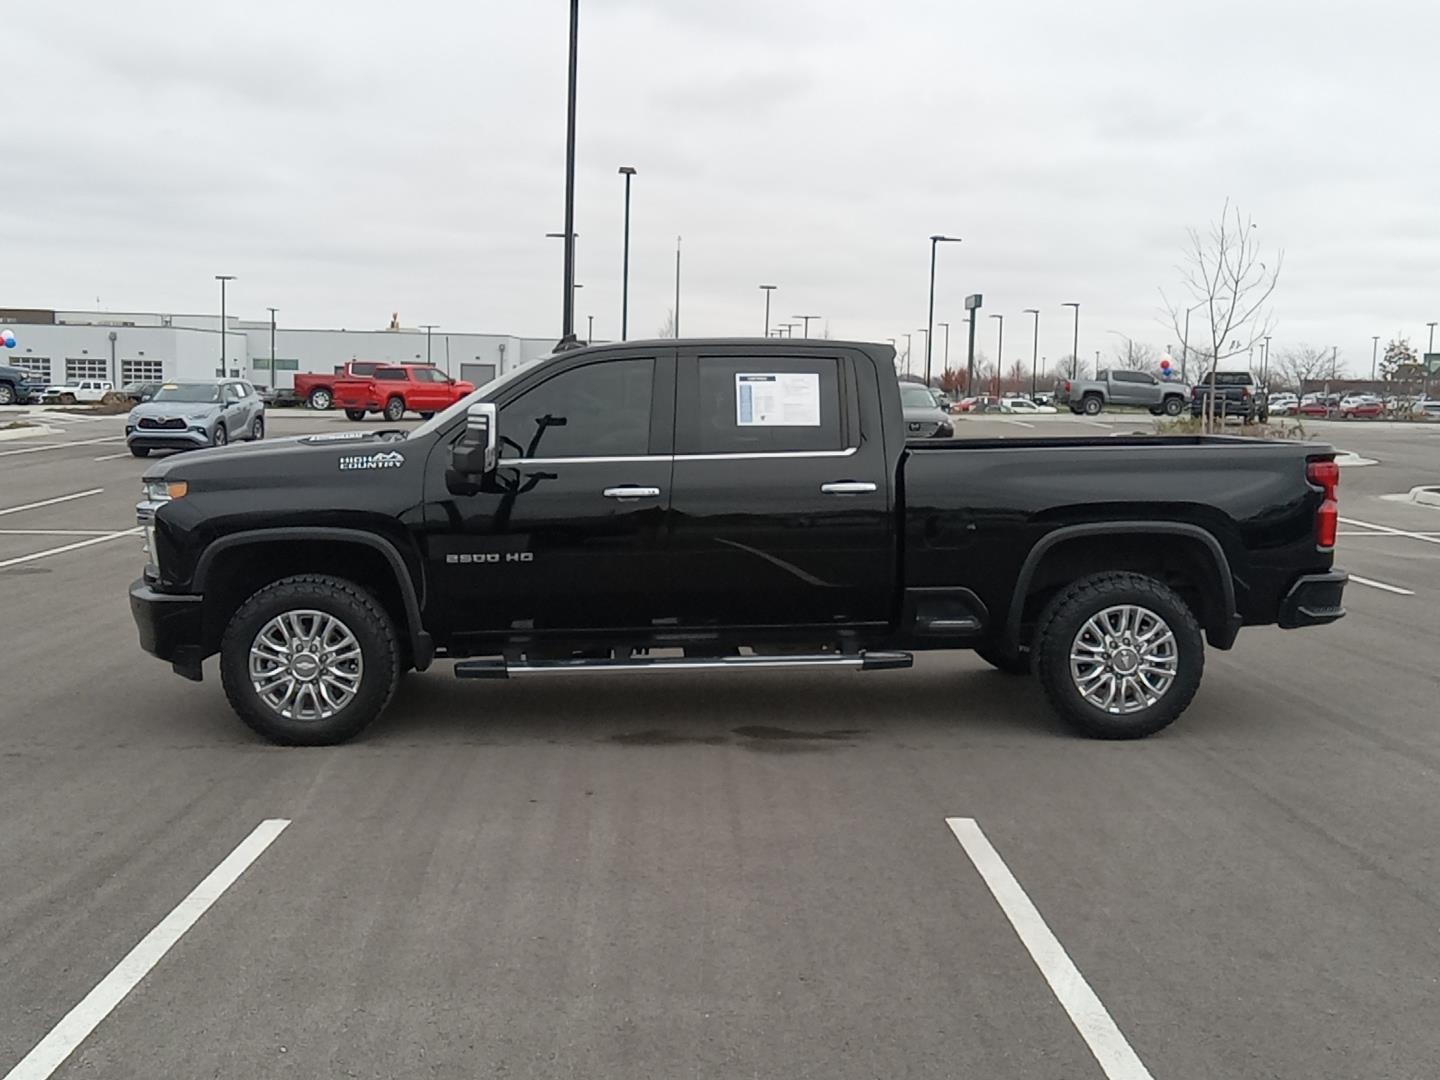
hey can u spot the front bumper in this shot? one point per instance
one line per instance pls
(170, 626)
(162, 439)
(1314, 600)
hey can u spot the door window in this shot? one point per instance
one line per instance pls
(765, 405)
(599, 410)
(1138, 377)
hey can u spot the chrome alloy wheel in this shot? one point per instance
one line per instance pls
(1124, 659)
(306, 665)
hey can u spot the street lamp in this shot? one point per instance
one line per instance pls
(272, 346)
(946, 361)
(1431, 347)
(926, 332)
(1265, 364)
(935, 241)
(1185, 339)
(1374, 350)
(805, 332)
(1075, 348)
(999, 352)
(907, 354)
(768, 290)
(677, 288)
(626, 171)
(567, 320)
(223, 278)
(1034, 351)
(427, 327)
(589, 329)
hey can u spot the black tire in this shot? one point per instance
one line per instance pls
(1174, 405)
(220, 436)
(1092, 405)
(361, 614)
(355, 414)
(140, 451)
(395, 409)
(257, 428)
(426, 415)
(320, 398)
(1061, 622)
(1003, 660)
(67, 399)
(7, 394)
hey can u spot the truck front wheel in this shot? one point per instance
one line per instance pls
(309, 660)
(1092, 405)
(355, 414)
(1119, 655)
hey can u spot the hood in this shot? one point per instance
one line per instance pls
(161, 410)
(933, 415)
(299, 462)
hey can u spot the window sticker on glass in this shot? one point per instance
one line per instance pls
(778, 400)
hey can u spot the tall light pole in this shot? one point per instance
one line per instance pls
(907, 354)
(1075, 348)
(1374, 352)
(935, 241)
(805, 319)
(677, 288)
(1034, 352)
(272, 346)
(626, 171)
(789, 328)
(1265, 364)
(922, 330)
(768, 290)
(1431, 346)
(1424, 368)
(1185, 341)
(567, 318)
(427, 327)
(223, 278)
(946, 360)
(589, 329)
(999, 353)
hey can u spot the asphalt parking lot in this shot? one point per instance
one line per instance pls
(720, 876)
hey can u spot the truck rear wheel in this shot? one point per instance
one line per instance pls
(320, 398)
(395, 409)
(355, 414)
(1119, 655)
(309, 660)
(1173, 405)
(1092, 405)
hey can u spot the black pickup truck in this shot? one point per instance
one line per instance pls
(721, 505)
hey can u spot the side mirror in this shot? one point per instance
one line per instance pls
(479, 448)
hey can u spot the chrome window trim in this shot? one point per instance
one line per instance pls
(683, 457)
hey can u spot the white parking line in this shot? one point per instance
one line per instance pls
(1396, 589)
(1019, 423)
(51, 1051)
(1389, 536)
(1392, 532)
(1117, 1060)
(7, 563)
(62, 446)
(50, 502)
(56, 532)
(112, 457)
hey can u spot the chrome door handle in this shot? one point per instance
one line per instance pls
(630, 492)
(848, 487)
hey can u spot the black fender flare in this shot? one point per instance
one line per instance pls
(422, 646)
(1222, 637)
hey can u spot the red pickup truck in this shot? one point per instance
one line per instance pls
(318, 391)
(392, 389)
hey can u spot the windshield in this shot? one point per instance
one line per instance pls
(200, 393)
(916, 397)
(480, 393)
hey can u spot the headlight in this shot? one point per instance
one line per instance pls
(161, 491)
(157, 494)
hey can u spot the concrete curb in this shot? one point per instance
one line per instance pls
(6, 434)
(1428, 495)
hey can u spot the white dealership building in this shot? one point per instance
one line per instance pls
(67, 346)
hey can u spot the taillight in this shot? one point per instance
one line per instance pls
(1067, 386)
(1244, 391)
(1326, 476)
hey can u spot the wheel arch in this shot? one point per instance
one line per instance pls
(226, 577)
(1198, 561)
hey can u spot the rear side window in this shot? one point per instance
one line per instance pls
(599, 410)
(393, 374)
(762, 405)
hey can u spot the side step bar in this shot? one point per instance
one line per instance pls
(500, 669)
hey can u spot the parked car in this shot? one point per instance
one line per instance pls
(1235, 395)
(1025, 407)
(923, 418)
(1283, 404)
(1091, 396)
(1366, 406)
(394, 389)
(189, 415)
(86, 391)
(756, 504)
(318, 391)
(17, 387)
(139, 392)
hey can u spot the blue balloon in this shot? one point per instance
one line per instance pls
(9, 342)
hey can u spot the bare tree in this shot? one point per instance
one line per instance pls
(1066, 365)
(1400, 361)
(667, 328)
(1017, 377)
(1136, 356)
(1302, 363)
(1226, 286)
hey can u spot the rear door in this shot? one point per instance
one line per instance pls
(781, 498)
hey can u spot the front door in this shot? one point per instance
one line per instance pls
(781, 508)
(564, 537)
(431, 391)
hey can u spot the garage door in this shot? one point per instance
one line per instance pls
(479, 374)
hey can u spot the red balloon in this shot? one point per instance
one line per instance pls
(1165, 364)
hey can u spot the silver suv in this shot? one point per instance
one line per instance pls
(1090, 396)
(189, 415)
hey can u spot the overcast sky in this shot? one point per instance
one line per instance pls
(350, 160)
